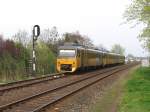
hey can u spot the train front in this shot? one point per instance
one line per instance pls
(66, 60)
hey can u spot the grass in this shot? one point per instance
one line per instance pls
(136, 96)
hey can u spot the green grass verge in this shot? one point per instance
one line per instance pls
(136, 96)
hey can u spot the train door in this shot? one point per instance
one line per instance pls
(97, 59)
(85, 58)
(82, 58)
(78, 58)
(104, 59)
(101, 59)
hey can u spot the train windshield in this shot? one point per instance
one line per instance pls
(67, 53)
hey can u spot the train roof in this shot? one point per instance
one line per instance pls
(70, 47)
(78, 47)
(81, 47)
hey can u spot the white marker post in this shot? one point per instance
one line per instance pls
(36, 33)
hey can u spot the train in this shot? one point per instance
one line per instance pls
(76, 57)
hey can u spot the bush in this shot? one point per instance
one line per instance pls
(14, 60)
(45, 59)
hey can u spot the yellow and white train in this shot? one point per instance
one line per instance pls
(72, 58)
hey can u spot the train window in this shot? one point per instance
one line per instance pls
(67, 53)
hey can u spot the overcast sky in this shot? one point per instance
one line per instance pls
(99, 19)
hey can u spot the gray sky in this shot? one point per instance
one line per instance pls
(99, 19)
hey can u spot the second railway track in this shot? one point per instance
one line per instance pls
(24, 83)
(41, 100)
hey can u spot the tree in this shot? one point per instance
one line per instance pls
(101, 48)
(22, 37)
(76, 37)
(144, 37)
(45, 35)
(118, 49)
(1, 45)
(12, 59)
(54, 34)
(139, 12)
(45, 59)
(51, 38)
(130, 56)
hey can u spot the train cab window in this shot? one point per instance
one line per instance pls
(67, 53)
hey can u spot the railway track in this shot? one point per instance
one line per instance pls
(40, 101)
(25, 83)
(29, 82)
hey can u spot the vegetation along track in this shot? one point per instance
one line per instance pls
(43, 99)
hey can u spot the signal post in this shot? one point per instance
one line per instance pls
(36, 33)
